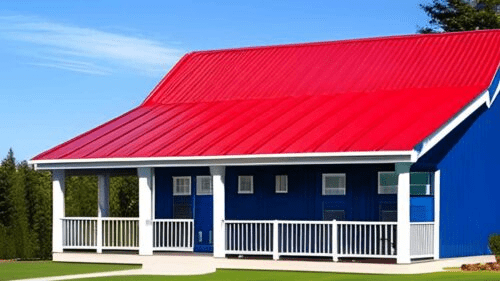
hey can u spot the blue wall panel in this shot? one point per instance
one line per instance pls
(468, 159)
(304, 200)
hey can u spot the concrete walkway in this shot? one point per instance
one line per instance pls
(193, 264)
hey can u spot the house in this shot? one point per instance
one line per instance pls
(380, 147)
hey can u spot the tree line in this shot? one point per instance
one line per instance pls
(26, 206)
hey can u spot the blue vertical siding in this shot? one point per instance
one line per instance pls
(304, 200)
(470, 191)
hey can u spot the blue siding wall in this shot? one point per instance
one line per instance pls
(304, 199)
(470, 191)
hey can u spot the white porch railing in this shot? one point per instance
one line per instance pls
(367, 239)
(173, 235)
(79, 233)
(311, 238)
(421, 239)
(249, 237)
(120, 233)
(115, 233)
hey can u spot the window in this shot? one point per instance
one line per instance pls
(245, 184)
(182, 186)
(387, 183)
(420, 183)
(388, 212)
(329, 215)
(333, 184)
(281, 184)
(204, 185)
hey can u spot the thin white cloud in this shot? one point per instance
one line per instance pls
(87, 50)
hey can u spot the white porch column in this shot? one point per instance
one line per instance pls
(437, 211)
(102, 205)
(403, 228)
(218, 173)
(58, 210)
(145, 211)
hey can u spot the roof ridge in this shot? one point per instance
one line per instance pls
(343, 41)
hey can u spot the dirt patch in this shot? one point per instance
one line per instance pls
(490, 266)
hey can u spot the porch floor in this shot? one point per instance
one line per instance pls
(198, 263)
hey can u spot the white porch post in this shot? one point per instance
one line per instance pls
(437, 211)
(218, 184)
(103, 205)
(58, 210)
(145, 211)
(403, 224)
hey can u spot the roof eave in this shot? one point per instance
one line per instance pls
(369, 157)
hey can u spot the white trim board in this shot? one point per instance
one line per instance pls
(231, 160)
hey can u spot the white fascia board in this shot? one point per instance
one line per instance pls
(370, 157)
(428, 143)
(494, 87)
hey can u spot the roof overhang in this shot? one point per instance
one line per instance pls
(370, 157)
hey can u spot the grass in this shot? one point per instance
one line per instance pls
(22, 270)
(254, 275)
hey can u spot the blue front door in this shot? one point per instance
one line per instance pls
(203, 214)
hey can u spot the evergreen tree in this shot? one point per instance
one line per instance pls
(19, 228)
(461, 15)
(7, 170)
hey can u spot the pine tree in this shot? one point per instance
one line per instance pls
(7, 170)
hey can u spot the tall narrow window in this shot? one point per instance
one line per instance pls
(281, 184)
(204, 185)
(333, 184)
(245, 184)
(182, 186)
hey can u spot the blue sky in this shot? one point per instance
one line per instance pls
(68, 66)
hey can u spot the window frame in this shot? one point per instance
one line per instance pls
(251, 185)
(323, 189)
(198, 186)
(174, 193)
(277, 189)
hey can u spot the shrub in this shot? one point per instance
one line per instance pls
(494, 244)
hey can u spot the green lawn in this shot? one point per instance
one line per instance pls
(22, 270)
(243, 275)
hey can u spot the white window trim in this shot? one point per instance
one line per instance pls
(251, 185)
(198, 186)
(323, 189)
(276, 184)
(181, 194)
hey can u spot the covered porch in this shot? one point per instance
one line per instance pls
(222, 224)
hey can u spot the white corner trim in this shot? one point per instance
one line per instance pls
(437, 212)
(437, 136)
(358, 157)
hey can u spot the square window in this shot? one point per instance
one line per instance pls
(245, 184)
(281, 184)
(182, 186)
(333, 184)
(387, 183)
(204, 185)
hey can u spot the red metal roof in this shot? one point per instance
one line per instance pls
(379, 94)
